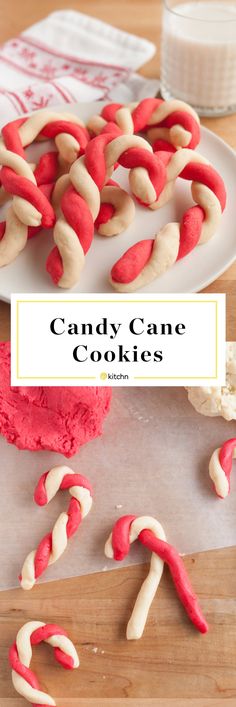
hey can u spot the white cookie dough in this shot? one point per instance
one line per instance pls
(218, 401)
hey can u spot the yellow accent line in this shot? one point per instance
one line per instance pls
(175, 301)
(111, 301)
(175, 378)
(57, 377)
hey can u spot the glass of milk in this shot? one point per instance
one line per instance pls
(198, 54)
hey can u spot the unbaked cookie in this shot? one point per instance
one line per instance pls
(60, 419)
(218, 401)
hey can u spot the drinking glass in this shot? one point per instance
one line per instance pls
(198, 54)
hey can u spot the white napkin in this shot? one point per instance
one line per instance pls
(69, 57)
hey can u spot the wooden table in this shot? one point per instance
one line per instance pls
(172, 666)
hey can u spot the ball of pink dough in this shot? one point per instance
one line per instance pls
(57, 419)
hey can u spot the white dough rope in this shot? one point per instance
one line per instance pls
(151, 534)
(174, 240)
(220, 467)
(54, 544)
(177, 135)
(20, 654)
(29, 207)
(88, 177)
(138, 619)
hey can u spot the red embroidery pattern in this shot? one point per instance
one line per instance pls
(36, 97)
(49, 71)
(43, 63)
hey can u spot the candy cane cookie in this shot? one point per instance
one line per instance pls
(168, 123)
(220, 467)
(14, 234)
(20, 654)
(148, 259)
(151, 534)
(117, 210)
(81, 199)
(54, 543)
(30, 204)
(66, 261)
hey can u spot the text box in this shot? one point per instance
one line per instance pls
(118, 340)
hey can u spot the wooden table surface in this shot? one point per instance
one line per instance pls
(172, 666)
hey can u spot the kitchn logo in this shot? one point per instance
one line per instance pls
(113, 376)
(118, 341)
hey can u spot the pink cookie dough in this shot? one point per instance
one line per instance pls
(57, 419)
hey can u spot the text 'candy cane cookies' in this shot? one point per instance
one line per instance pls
(28, 186)
(151, 258)
(220, 467)
(151, 534)
(167, 123)
(54, 543)
(31, 634)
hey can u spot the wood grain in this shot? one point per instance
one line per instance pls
(171, 661)
(96, 702)
(172, 666)
(4, 321)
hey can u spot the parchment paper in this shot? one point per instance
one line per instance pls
(152, 459)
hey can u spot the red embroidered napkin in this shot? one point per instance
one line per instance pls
(69, 57)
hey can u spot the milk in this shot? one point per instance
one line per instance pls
(198, 55)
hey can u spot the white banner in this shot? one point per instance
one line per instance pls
(114, 340)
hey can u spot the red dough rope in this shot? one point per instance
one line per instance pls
(31, 634)
(74, 229)
(54, 543)
(11, 242)
(30, 204)
(168, 123)
(79, 196)
(220, 467)
(151, 534)
(148, 259)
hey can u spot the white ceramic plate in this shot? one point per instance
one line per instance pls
(197, 270)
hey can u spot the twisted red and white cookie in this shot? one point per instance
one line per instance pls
(220, 467)
(34, 187)
(86, 198)
(20, 654)
(31, 189)
(54, 543)
(148, 259)
(168, 123)
(151, 534)
(80, 197)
